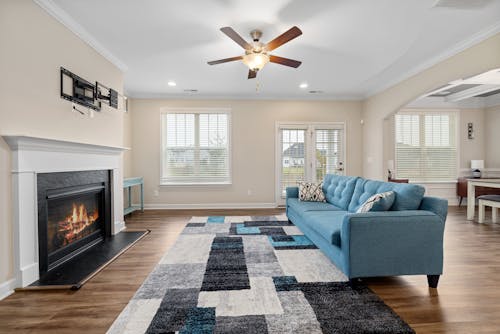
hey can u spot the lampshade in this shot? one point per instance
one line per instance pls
(477, 164)
(255, 61)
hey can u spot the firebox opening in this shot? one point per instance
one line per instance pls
(72, 219)
(74, 215)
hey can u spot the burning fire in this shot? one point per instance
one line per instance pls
(75, 223)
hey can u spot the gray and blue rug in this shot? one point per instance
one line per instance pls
(251, 275)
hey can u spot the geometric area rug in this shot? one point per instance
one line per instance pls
(249, 274)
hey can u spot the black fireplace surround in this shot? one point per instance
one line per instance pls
(74, 214)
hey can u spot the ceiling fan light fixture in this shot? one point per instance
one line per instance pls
(255, 61)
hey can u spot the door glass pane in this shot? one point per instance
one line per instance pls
(328, 153)
(292, 158)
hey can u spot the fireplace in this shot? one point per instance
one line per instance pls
(74, 214)
(31, 157)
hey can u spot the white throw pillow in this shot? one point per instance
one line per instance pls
(312, 192)
(378, 202)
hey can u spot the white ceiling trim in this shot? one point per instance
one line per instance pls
(65, 19)
(309, 97)
(475, 39)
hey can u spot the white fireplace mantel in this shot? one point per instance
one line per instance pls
(32, 155)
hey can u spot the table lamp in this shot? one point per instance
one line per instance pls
(476, 166)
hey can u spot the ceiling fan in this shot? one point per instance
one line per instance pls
(257, 53)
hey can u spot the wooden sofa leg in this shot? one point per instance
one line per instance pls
(433, 281)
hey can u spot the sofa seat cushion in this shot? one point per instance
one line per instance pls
(300, 207)
(408, 196)
(327, 223)
(339, 189)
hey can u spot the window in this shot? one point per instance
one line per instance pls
(195, 147)
(426, 145)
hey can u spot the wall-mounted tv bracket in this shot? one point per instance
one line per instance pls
(81, 91)
(111, 98)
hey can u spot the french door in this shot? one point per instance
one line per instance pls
(306, 152)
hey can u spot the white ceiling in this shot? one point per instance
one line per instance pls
(349, 48)
(478, 91)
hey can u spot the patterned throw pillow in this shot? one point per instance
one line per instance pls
(311, 192)
(378, 202)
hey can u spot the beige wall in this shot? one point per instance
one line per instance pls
(34, 46)
(253, 146)
(472, 149)
(492, 147)
(479, 58)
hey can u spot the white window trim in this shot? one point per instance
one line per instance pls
(305, 126)
(407, 111)
(210, 110)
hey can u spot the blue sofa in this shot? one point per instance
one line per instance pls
(405, 240)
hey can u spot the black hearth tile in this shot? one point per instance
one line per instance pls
(76, 270)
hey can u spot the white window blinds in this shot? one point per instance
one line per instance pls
(426, 146)
(328, 153)
(195, 148)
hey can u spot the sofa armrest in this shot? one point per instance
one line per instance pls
(393, 243)
(292, 192)
(437, 205)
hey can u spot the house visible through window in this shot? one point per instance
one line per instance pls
(195, 147)
(426, 145)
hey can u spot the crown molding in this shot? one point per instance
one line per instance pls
(324, 98)
(65, 19)
(456, 49)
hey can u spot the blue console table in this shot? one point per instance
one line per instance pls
(128, 184)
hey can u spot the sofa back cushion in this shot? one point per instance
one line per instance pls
(408, 196)
(339, 189)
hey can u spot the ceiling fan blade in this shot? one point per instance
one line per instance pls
(225, 60)
(236, 37)
(283, 38)
(284, 61)
(252, 74)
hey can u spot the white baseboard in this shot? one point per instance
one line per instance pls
(28, 274)
(7, 288)
(210, 206)
(119, 226)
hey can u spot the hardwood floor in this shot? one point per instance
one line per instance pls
(467, 300)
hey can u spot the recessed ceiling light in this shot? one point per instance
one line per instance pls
(171, 83)
(303, 85)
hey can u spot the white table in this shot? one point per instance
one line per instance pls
(471, 193)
